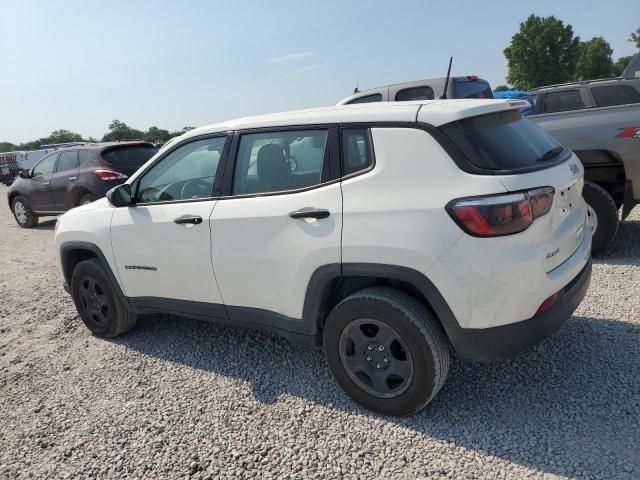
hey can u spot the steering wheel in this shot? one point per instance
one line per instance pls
(152, 194)
(197, 188)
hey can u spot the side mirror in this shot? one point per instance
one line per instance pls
(25, 173)
(120, 196)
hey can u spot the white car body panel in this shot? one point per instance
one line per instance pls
(146, 236)
(264, 259)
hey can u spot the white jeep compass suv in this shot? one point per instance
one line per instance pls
(392, 235)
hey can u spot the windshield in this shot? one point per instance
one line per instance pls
(503, 141)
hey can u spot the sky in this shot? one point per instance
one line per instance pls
(78, 65)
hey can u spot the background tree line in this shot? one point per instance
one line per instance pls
(117, 131)
(545, 51)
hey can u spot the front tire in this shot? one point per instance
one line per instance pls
(386, 351)
(602, 216)
(23, 214)
(97, 301)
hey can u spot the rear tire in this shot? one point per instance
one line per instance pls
(602, 216)
(23, 214)
(386, 351)
(98, 302)
(86, 199)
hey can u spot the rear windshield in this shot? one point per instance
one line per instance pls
(133, 156)
(503, 141)
(473, 89)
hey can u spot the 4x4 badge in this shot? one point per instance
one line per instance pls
(574, 168)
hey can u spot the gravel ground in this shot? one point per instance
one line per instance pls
(177, 398)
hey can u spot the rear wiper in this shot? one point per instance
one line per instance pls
(551, 154)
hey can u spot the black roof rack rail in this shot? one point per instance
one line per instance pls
(577, 82)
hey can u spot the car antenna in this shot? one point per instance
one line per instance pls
(355, 90)
(446, 80)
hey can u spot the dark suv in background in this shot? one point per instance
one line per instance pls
(74, 176)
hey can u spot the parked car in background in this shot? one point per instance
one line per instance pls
(389, 234)
(74, 176)
(469, 86)
(600, 121)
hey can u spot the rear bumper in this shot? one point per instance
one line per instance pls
(499, 342)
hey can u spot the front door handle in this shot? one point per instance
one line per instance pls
(188, 220)
(46, 184)
(316, 213)
(73, 179)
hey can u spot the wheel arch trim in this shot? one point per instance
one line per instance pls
(324, 276)
(66, 251)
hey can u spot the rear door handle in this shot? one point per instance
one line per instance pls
(46, 184)
(73, 179)
(188, 219)
(317, 213)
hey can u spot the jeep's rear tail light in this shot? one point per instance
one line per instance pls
(109, 175)
(499, 215)
(547, 304)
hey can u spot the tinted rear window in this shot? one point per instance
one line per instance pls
(133, 156)
(415, 93)
(615, 95)
(473, 89)
(376, 97)
(502, 141)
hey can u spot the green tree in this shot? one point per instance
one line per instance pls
(156, 135)
(502, 88)
(63, 136)
(7, 147)
(594, 59)
(121, 131)
(634, 37)
(543, 52)
(620, 65)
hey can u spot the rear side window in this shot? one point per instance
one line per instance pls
(134, 156)
(279, 161)
(416, 93)
(376, 97)
(356, 150)
(86, 156)
(563, 101)
(502, 141)
(473, 89)
(608, 95)
(67, 161)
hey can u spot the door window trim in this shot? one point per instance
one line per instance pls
(217, 182)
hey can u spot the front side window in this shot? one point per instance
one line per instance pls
(563, 101)
(186, 173)
(356, 150)
(45, 167)
(609, 95)
(67, 161)
(278, 161)
(376, 97)
(416, 93)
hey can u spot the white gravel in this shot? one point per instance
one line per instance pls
(177, 398)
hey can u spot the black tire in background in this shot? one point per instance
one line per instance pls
(97, 301)
(602, 214)
(87, 198)
(22, 213)
(366, 372)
